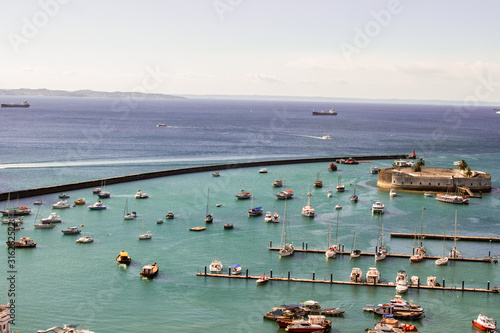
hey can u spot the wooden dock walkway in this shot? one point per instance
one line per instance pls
(451, 237)
(487, 259)
(331, 281)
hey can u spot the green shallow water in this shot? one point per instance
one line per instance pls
(63, 282)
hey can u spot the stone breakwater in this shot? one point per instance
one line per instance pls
(433, 179)
(172, 172)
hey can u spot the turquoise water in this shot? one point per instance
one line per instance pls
(64, 282)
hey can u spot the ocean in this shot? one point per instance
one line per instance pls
(65, 140)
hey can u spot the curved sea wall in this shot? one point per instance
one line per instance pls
(433, 179)
(164, 173)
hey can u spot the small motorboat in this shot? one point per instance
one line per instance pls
(161, 125)
(150, 271)
(356, 275)
(169, 215)
(52, 218)
(484, 323)
(197, 228)
(236, 269)
(216, 266)
(123, 258)
(141, 195)
(97, 206)
(332, 167)
(228, 226)
(23, 242)
(218, 205)
(392, 193)
(38, 202)
(378, 207)
(71, 231)
(61, 204)
(428, 194)
(374, 170)
(243, 195)
(334, 312)
(263, 170)
(159, 221)
(216, 174)
(85, 239)
(262, 279)
(44, 225)
(275, 218)
(79, 202)
(97, 190)
(268, 217)
(63, 195)
(277, 183)
(338, 206)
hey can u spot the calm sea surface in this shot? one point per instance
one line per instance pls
(61, 140)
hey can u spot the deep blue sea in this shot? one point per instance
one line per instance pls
(63, 140)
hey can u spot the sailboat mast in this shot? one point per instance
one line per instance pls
(455, 234)
(329, 228)
(422, 226)
(444, 236)
(208, 199)
(337, 231)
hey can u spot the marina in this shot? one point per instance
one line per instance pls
(108, 293)
(331, 281)
(448, 237)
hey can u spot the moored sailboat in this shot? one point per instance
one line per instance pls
(443, 260)
(286, 249)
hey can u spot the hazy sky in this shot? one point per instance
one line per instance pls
(361, 49)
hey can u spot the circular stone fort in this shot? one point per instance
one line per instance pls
(433, 179)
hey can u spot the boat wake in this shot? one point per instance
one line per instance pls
(324, 137)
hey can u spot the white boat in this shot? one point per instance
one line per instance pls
(144, 235)
(428, 194)
(308, 211)
(378, 208)
(268, 217)
(331, 251)
(275, 218)
(443, 260)
(208, 217)
(216, 266)
(262, 279)
(97, 206)
(330, 194)
(52, 218)
(161, 125)
(392, 193)
(431, 281)
(373, 170)
(263, 170)
(338, 206)
(141, 195)
(485, 323)
(126, 214)
(401, 282)
(286, 249)
(450, 198)
(61, 204)
(372, 275)
(236, 269)
(84, 239)
(340, 187)
(12, 220)
(355, 253)
(326, 137)
(277, 183)
(356, 275)
(454, 253)
(44, 225)
(216, 174)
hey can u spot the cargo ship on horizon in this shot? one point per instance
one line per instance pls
(332, 112)
(24, 104)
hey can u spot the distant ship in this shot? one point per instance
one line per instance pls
(12, 105)
(332, 112)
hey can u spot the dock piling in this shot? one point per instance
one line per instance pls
(314, 276)
(288, 275)
(331, 277)
(462, 285)
(488, 285)
(306, 245)
(271, 273)
(205, 270)
(247, 274)
(443, 283)
(271, 243)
